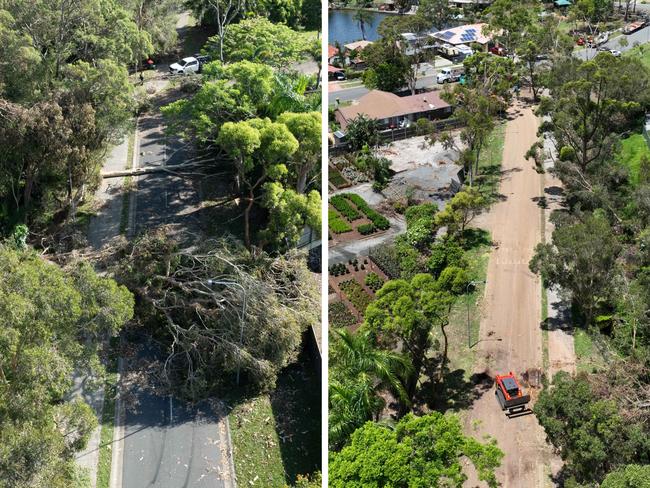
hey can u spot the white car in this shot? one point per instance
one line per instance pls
(615, 53)
(185, 66)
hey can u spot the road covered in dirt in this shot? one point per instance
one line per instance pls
(510, 335)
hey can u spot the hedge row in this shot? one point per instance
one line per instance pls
(340, 203)
(378, 219)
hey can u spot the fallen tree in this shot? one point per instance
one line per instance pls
(224, 313)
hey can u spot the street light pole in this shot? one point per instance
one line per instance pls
(211, 282)
(469, 334)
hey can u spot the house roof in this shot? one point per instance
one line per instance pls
(358, 45)
(562, 3)
(382, 105)
(463, 34)
(333, 69)
(331, 51)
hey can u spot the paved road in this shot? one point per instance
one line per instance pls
(163, 443)
(426, 79)
(641, 36)
(168, 444)
(162, 198)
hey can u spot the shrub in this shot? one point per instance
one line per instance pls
(374, 281)
(339, 315)
(365, 229)
(340, 203)
(338, 269)
(356, 294)
(454, 279)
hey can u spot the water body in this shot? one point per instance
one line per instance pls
(344, 29)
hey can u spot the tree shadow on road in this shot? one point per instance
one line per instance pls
(455, 392)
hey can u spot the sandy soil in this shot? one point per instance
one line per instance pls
(510, 334)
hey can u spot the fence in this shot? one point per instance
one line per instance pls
(392, 135)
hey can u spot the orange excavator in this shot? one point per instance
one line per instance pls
(510, 395)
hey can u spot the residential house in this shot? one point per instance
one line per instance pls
(393, 111)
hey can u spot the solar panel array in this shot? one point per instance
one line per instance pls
(468, 35)
(446, 35)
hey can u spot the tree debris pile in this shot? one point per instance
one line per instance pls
(221, 309)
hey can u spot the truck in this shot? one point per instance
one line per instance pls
(448, 75)
(510, 395)
(189, 65)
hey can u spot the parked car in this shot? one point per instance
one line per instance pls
(616, 53)
(498, 50)
(336, 76)
(185, 66)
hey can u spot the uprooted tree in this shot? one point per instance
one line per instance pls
(222, 310)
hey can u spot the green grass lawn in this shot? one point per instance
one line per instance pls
(490, 163)
(276, 436)
(633, 149)
(588, 357)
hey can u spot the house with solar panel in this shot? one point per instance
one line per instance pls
(455, 43)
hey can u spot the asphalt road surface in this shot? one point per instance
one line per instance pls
(170, 445)
(641, 36)
(162, 198)
(337, 90)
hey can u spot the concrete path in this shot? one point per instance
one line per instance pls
(105, 226)
(89, 457)
(561, 350)
(102, 228)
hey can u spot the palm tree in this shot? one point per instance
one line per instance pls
(356, 355)
(362, 17)
(359, 375)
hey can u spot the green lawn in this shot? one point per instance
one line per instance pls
(276, 436)
(633, 149)
(588, 357)
(490, 163)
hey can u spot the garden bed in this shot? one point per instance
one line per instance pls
(351, 218)
(357, 271)
(340, 315)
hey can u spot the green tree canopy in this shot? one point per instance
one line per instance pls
(419, 452)
(582, 260)
(53, 323)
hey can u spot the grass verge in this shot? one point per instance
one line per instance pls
(108, 418)
(461, 356)
(490, 163)
(276, 436)
(588, 357)
(633, 149)
(126, 185)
